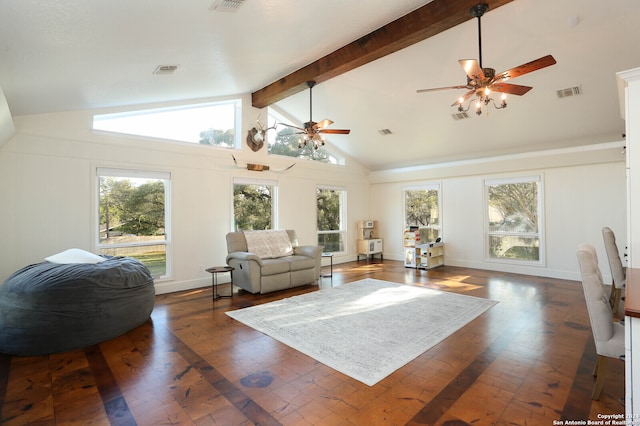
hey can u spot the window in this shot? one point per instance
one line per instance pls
(514, 209)
(285, 141)
(331, 205)
(254, 204)
(133, 216)
(422, 210)
(209, 124)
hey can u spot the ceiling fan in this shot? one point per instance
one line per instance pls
(481, 81)
(312, 131)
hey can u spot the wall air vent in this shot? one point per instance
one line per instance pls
(226, 5)
(460, 115)
(165, 69)
(569, 91)
(384, 132)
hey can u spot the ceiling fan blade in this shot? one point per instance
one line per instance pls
(462, 99)
(472, 69)
(292, 126)
(335, 131)
(512, 89)
(322, 124)
(441, 88)
(535, 65)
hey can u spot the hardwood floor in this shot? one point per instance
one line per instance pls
(527, 361)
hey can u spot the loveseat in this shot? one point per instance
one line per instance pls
(271, 260)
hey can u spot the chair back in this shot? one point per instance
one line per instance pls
(600, 314)
(618, 272)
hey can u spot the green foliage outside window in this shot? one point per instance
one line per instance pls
(329, 209)
(513, 221)
(225, 138)
(421, 207)
(129, 209)
(252, 207)
(132, 221)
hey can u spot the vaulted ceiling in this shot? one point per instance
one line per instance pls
(85, 54)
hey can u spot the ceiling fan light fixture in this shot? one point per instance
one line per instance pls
(482, 81)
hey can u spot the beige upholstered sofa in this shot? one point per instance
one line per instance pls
(271, 260)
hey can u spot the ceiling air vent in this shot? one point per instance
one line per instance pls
(570, 91)
(460, 115)
(165, 69)
(226, 5)
(384, 132)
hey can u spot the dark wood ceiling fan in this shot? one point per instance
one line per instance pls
(481, 81)
(312, 131)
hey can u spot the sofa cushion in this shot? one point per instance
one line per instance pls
(298, 263)
(269, 243)
(274, 266)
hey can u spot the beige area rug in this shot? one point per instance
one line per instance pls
(366, 329)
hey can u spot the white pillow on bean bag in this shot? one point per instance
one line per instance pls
(75, 255)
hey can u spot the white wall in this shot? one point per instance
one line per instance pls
(48, 192)
(584, 190)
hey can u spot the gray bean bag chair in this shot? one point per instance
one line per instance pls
(52, 307)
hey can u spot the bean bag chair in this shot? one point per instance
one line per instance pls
(53, 307)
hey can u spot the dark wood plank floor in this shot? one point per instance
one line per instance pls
(527, 361)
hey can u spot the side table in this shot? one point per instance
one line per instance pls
(330, 274)
(214, 271)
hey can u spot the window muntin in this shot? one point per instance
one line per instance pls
(331, 213)
(514, 215)
(133, 216)
(216, 124)
(284, 140)
(422, 210)
(254, 204)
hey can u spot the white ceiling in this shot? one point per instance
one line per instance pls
(79, 54)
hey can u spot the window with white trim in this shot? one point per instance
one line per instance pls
(422, 210)
(331, 213)
(514, 219)
(254, 204)
(213, 123)
(134, 216)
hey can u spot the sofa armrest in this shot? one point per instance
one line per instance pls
(243, 255)
(309, 251)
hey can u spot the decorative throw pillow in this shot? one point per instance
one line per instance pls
(75, 255)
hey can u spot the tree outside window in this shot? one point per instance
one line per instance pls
(132, 217)
(514, 208)
(330, 213)
(422, 210)
(253, 206)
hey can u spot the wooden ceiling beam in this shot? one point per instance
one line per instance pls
(424, 22)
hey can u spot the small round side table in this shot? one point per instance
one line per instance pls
(214, 271)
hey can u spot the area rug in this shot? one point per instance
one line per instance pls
(366, 329)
